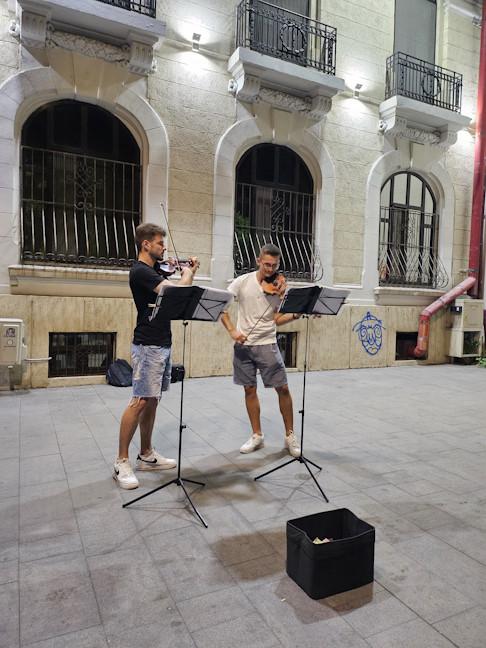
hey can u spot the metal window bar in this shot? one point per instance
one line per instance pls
(145, 7)
(411, 77)
(78, 209)
(408, 249)
(285, 34)
(286, 219)
(80, 354)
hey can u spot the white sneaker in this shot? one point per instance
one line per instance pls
(292, 445)
(123, 474)
(253, 443)
(154, 461)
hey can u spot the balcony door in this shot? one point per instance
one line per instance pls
(275, 204)
(415, 28)
(280, 29)
(81, 187)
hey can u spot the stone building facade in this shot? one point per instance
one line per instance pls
(218, 102)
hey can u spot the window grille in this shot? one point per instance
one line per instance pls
(145, 7)
(409, 234)
(274, 203)
(80, 354)
(81, 187)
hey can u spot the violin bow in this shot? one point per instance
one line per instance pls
(169, 233)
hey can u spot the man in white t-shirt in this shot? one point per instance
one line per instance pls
(255, 336)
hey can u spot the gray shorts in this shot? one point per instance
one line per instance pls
(151, 370)
(266, 358)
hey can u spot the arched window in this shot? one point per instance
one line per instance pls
(409, 234)
(275, 204)
(81, 186)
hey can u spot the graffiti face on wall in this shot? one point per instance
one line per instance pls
(370, 333)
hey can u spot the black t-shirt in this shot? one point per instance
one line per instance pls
(143, 280)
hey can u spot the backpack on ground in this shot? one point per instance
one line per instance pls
(119, 373)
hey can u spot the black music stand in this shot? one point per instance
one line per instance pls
(311, 300)
(186, 303)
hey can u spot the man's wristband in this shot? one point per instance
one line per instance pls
(295, 316)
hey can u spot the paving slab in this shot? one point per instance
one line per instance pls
(402, 447)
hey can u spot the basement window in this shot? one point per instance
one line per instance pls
(287, 343)
(405, 345)
(80, 354)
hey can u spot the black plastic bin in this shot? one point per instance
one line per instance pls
(333, 567)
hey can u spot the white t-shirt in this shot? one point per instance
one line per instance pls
(255, 310)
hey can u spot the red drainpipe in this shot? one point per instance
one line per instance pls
(472, 283)
(420, 350)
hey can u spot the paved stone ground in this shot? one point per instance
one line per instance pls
(404, 448)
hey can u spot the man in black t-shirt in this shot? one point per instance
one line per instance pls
(151, 356)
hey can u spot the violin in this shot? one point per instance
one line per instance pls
(276, 284)
(170, 266)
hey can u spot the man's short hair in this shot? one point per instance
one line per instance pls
(270, 249)
(147, 232)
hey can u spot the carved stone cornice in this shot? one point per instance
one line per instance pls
(244, 86)
(36, 32)
(281, 84)
(33, 30)
(398, 127)
(314, 108)
(284, 100)
(410, 120)
(86, 46)
(141, 58)
(319, 107)
(249, 89)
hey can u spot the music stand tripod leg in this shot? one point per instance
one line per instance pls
(154, 490)
(305, 461)
(178, 481)
(181, 484)
(277, 468)
(301, 458)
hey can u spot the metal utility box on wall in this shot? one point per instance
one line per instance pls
(467, 328)
(12, 350)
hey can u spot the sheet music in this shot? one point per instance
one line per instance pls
(330, 301)
(315, 300)
(211, 302)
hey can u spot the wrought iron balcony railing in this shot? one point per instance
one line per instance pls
(408, 249)
(287, 35)
(410, 77)
(145, 7)
(78, 209)
(284, 218)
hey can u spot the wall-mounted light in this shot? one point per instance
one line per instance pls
(195, 42)
(357, 88)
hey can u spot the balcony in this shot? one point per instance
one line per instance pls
(280, 51)
(422, 101)
(408, 250)
(102, 28)
(286, 35)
